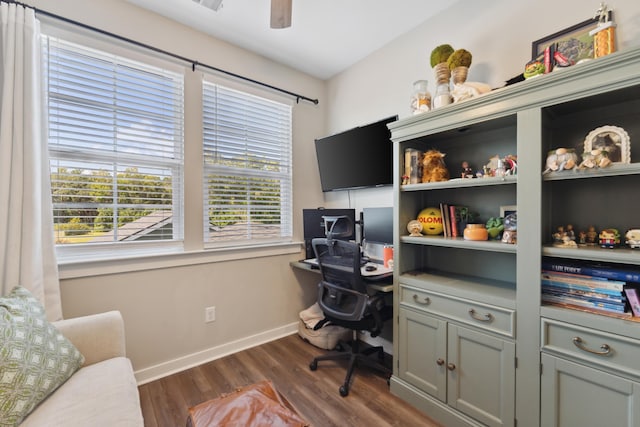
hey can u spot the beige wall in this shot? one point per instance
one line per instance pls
(498, 33)
(259, 298)
(163, 299)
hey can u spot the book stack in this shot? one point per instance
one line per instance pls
(449, 220)
(593, 287)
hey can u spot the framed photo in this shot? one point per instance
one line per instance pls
(574, 42)
(508, 210)
(633, 297)
(612, 139)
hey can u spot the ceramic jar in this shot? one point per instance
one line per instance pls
(476, 232)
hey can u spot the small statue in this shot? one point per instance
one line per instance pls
(582, 237)
(592, 235)
(559, 235)
(571, 235)
(609, 238)
(560, 159)
(467, 172)
(414, 227)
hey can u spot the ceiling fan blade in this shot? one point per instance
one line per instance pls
(280, 13)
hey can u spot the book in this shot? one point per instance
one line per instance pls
(583, 303)
(586, 293)
(568, 294)
(593, 270)
(585, 281)
(454, 222)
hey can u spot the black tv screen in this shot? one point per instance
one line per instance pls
(359, 157)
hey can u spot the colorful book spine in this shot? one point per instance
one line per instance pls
(607, 272)
(583, 303)
(612, 296)
(454, 222)
(594, 283)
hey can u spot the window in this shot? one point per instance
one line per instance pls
(115, 147)
(247, 168)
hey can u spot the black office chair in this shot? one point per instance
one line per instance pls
(344, 300)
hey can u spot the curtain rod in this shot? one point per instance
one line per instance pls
(193, 63)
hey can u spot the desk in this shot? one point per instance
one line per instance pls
(371, 278)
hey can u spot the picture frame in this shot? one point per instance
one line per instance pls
(633, 297)
(508, 210)
(613, 139)
(573, 42)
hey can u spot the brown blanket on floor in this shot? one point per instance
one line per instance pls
(254, 405)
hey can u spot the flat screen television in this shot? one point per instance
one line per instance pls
(356, 158)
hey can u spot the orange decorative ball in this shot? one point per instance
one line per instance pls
(431, 221)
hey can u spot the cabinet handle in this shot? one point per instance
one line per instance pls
(440, 362)
(426, 300)
(605, 349)
(481, 317)
(451, 366)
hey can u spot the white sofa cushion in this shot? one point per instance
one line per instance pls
(102, 394)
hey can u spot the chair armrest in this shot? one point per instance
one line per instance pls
(98, 337)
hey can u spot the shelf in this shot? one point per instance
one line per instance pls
(461, 183)
(459, 242)
(613, 170)
(590, 253)
(486, 291)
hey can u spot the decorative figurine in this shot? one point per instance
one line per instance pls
(592, 235)
(609, 238)
(596, 158)
(467, 172)
(632, 238)
(571, 235)
(565, 237)
(559, 235)
(582, 237)
(510, 233)
(414, 227)
(561, 159)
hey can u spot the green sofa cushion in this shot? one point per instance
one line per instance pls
(35, 358)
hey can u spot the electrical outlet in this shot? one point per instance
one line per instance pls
(209, 314)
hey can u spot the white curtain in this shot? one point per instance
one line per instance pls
(27, 254)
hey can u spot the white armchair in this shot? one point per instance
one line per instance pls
(104, 391)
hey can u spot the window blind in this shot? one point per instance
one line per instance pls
(247, 168)
(115, 146)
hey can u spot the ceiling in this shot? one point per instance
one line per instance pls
(325, 38)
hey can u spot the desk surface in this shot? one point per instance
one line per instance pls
(380, 274)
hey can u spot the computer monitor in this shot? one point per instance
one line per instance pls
(314, 225)
(377, 225)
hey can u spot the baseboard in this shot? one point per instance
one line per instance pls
(164, 369)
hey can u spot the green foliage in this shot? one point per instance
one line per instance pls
(459, 58)
(75, 227)
(84, 200)
(440, 54)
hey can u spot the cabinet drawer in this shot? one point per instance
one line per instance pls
(495, 319)
(589, 345)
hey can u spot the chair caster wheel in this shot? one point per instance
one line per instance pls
(343, 391)
(313, 365)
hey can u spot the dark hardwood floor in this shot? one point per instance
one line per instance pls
(286, 363)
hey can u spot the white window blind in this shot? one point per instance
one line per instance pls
(247, 168)
(115, 146)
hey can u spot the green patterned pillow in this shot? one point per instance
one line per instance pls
(35, 358)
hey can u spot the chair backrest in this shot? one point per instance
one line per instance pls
(342, 293)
